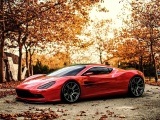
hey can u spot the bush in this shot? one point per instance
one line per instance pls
(40, 69)
(148, 69)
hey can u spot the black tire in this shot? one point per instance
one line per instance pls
(70, 92)
(136, 86)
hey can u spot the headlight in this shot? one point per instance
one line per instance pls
(47, 85)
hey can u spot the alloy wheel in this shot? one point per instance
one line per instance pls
(136, 86)
(71, 92)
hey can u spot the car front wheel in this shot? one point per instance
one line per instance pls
(71, 92)
(136, 86)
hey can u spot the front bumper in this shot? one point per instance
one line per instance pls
(37, 95)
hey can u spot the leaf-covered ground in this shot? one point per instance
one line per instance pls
(152, 82)
(9, 85)
(41, 114)
(145, 107)
(8, 88)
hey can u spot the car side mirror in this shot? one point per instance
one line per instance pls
(88, 74)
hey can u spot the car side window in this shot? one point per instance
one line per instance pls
(99, 70)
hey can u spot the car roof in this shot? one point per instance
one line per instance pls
(90, 65)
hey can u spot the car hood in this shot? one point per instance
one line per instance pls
(36, 82)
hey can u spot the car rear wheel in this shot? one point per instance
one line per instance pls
(136, 86)
(71, 92)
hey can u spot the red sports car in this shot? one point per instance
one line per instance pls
(81, 81)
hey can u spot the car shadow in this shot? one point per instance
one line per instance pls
(83, 100)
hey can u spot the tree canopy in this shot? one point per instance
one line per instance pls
(60, 32)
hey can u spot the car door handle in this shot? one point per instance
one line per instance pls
(88, 82)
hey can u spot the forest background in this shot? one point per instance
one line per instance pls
(55, 33)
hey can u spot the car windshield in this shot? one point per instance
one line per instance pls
(67, 71)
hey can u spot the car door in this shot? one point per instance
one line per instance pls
(99, 81)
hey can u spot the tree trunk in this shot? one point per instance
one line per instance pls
(20, 63)
(100, 55)
(20, 57)
(153, 55)
(141, 64)
(155, 68)
(2, 28)
(2, 77)
(30, 63)
(27, 65)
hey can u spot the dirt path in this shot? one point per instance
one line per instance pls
(146, 107)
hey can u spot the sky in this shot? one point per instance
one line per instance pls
(114, 7)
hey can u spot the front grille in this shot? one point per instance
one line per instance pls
(27, 94)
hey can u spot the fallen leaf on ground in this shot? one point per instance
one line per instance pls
(122, 116)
